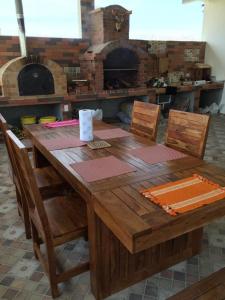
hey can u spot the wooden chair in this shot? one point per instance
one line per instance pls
(4, 126)
(54, 222)
(145, 119)
(187, 132)
(48, 182)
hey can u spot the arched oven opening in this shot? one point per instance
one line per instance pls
(35, 79)
(121, 69)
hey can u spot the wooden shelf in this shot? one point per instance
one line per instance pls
(191, 88)
(4, 102)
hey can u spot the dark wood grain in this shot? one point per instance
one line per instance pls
(113, 267)
(48, 181)
(54, 221)
(124, 224)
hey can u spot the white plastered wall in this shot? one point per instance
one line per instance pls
(214, 34)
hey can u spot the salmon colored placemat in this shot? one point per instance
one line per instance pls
(102, 168)
(62, 142)
(184, 195)
(113, 133)
(156, 154)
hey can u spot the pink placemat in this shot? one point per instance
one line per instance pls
(102, 168)
(113, 133)
(63, 142)
(156, 154)
(62, 123)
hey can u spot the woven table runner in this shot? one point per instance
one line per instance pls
(156, 154)
(113, 133)
(102, 168)
(184, 195)
(62, 142)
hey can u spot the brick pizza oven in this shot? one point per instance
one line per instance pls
(32, 76)
(113, 61)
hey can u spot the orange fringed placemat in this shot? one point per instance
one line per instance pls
(184, 195)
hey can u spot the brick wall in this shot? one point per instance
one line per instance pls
(9, 48)
(174, 53)
(66, 52)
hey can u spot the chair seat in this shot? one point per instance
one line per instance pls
(67, 218)
(47, 177)
(48, 181)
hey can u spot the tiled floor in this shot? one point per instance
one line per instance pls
(21, 277)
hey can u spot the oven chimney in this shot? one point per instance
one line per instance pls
(21, 24)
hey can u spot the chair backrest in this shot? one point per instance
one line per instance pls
(4, 128)
(145, 119)
(3, 125)
(28, 183)
(187, 132)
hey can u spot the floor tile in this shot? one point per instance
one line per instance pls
(10, 294)
(24, 268)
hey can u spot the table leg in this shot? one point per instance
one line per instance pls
(197, 95)
(95, 268)
(114, 268)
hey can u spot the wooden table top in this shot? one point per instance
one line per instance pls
(135, 221)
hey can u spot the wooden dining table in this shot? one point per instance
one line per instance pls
(130, 238)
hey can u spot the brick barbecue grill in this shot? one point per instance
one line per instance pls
(113, 61)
